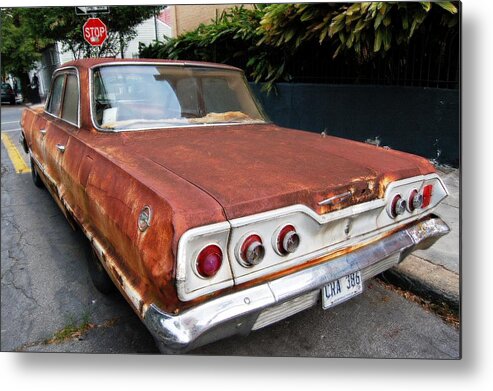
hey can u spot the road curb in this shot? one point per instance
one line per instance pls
(430, 281)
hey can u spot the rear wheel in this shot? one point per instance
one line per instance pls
(100, 279)
(35, 175)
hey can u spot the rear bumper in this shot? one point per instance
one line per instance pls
(259, 306)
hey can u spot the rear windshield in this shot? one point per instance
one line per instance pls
(132, 97)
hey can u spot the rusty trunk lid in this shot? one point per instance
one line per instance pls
(249, 169)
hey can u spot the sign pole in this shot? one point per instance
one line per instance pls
(93, 49)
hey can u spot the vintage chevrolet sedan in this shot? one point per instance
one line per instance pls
(209, 219)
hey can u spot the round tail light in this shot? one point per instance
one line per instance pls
(287, 241)
(415, 200)
(397, 207)
(209, 261)
(252, 251)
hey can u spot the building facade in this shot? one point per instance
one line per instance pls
(183, 18)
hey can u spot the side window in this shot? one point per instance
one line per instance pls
(56, 96)
(71, 100)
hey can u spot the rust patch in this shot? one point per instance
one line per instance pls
(117, 275)
(85, 170)
(249, 169)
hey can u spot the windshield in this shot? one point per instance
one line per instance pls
(131, 97)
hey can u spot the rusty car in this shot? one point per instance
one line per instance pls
(211, 220)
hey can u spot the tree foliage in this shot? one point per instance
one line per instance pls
(265, 40)
(26, 32)
(63, 25)
(20, 49)
(365, 28)
(232, 38)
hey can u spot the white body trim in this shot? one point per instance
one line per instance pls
(320, 235)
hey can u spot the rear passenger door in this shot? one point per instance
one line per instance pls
(43, 123)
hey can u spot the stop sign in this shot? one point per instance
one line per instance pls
(95, 31)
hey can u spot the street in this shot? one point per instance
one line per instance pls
(49, 303)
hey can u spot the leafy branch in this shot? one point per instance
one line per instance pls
(265, 39)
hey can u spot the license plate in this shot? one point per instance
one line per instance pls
(340, 290)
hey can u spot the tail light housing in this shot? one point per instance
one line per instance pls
(415, 200)
(397, 206)
(286, 241)
(427, 193)
(252, 251)
(209, 261)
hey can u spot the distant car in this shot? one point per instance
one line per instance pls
(8, 94)
(211, 220)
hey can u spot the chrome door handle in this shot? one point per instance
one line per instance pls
(60, 147)
(43, 132)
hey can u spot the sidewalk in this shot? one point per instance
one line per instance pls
(434, 273)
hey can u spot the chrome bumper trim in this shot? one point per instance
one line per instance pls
(237, 313)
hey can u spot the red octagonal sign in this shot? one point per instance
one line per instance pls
(95, 31)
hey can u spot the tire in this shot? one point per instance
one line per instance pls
(35, 175)
(12, 101)
(100, 279)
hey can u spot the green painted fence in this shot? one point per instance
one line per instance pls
(423, 121)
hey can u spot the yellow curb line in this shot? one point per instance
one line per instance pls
(20, 165)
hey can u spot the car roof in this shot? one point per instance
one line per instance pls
(88, 63)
